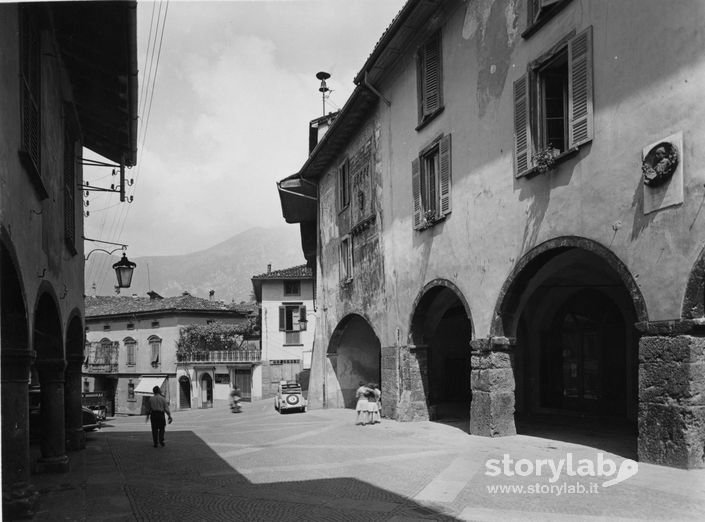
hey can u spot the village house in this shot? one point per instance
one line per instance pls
(69, 81)
(285, 299)
(503, 222)
(131, 346)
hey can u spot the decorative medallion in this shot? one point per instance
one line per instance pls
(659, 164)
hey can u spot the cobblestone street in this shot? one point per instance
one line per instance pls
(260, 465)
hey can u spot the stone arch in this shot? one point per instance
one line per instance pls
(47, 332)
(354, 354)
(694, 298)
(440, 332)
(504, 323)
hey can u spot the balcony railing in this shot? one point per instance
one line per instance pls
(220, 356)
(96, 367)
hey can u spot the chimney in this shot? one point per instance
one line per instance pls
(211, 293)
(269, 268)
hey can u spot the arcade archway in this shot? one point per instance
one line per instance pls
(354, 355)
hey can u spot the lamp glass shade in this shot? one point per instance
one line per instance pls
(123, 271)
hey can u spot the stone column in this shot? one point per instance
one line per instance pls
(390, 381)
(53, 431)
(19, 498)
(672, 394)
(492, 385)
(75, 436)
(413, 383)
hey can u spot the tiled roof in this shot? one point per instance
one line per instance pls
(296, 272)
(117, 305)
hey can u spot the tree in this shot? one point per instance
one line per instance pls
(195, 338)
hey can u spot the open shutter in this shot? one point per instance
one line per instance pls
(522, 129)
(302, 318)
(282, 318)
(416, 189)
(445, 180)
(114, 354)
(91, 352)
(432, 76)
(580, 89)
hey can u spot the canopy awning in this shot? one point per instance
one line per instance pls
(147, 383)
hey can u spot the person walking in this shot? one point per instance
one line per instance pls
(157, 406)
(363, 414)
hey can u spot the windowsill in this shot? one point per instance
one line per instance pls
(425, 225)
(429, 118)
(543, 19)
(298, 344)
(563, 156)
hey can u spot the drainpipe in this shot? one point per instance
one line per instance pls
(375, 91)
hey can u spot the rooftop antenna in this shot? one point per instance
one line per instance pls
(149, 281)
(323, 76)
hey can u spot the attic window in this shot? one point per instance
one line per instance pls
(130, 326)
(155, 324)
(538, 12)
(106, 327)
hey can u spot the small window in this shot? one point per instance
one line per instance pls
(130, 390)
(86, 386)
(553, 109)
(344, 185)
(106, 327)
(155, 324)
(222, 378)
(155, 347)
(292, 287)
(346, 260)
(431, 183)
(130, 326)
(430, 79)
(538, 12)
(209, 321)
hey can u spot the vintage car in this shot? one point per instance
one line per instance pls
(289, 397)
(90, 420)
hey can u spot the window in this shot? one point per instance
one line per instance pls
(292, 287)
(69, 178)
(30, 76)
(344, 185)
(104, 351)
(130, 390)
(130, 326)
(431, 183)
(155, 348)
(553, 105)
(292, 320)
(346, 260)
(538, 12)
(155, 324)
(429, 79)
(222, 378)
(130, 348)
(86, 386)
(106, 327)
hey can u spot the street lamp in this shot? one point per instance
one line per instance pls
(123, 271)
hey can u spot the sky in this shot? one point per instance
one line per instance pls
(224, 112)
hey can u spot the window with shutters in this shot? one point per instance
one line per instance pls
(538, 12)
(155, 347)
(30, 100)
(344, 185)
(430, 80)
(292, 287)
(292, 321)
(345, 260)
(130, 348)
(553, 109)
(431, 183)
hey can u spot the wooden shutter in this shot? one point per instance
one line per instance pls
(522, 128)
(580, 109)
(302, 318)
(114, 353)
(282, 318)
(432, 76)
(445, 177)
(416, 189)
(31, 90)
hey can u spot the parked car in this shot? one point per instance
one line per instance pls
(289, 397)
(90, 420)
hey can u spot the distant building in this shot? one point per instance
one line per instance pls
(69, 81)
(288, 326)
(131, 346)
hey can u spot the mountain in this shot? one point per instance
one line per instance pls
(225, 268)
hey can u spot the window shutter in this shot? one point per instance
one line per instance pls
(522, 129)
(302, 318)
(445, 175)
(114, 354)
(416, 189)
(580, 89)
(282, 318)
(432, 76)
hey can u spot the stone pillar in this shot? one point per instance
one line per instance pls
(672, 394)
(53, 431)
(390, 381)
(75, 436)
(492, 385)
(413, 383)
(19, 498)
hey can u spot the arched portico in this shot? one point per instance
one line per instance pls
(75, 343)
(441, 331)
(566, 316)
(353, 355)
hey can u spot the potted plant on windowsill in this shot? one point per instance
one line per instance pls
(545, 159)
(429, 219)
